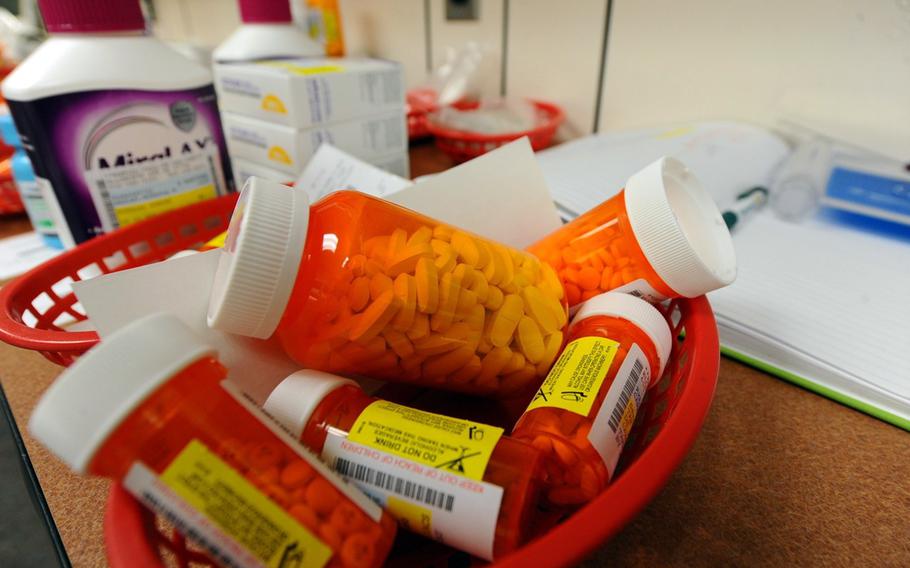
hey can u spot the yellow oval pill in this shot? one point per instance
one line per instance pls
(369, 323)
(427, 286)
(420, 236)
(479, 286)
(467, 372)
(466, 247)
(359, 293)
(464, 274)
(448, 302)
(516, 362)
(379, 284)
(445, 262)
(494, 362)
(537, 307)
(447, 363)
(435, 344)
(420, 328)
(467, 300)
(406, 259)
(442, 232)
(530, 340)
(508, 267)
(505, 320)
(399, 343)
(494, 298)
(552, 344)
(551, 281)
(406, 289)
(397, 241)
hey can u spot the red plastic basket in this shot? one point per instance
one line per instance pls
(462, 146)
(420, 102)
(667, 425)
(38, 302)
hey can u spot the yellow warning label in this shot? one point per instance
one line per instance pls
(411, 516)
(128, 214)
(450, 444)
(575, 379)
(279, 154)
(235, 506)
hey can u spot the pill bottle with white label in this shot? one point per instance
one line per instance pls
(150, 407)
(267, 31)
(357, 285)
(460, 482)
(117, 125)
(660, 237)
(618, 346)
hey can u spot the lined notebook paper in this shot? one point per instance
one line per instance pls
(827, 306)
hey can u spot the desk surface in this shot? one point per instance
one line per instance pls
(778, 475)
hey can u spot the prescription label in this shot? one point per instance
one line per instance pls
(210, 502)
(614, 420)
(641, 289)
(448, 444)
(441, 505)
(576, 377)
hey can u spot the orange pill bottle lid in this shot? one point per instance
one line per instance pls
(679, 228)
(260, 259)
(92, 397)
(294, 400)
(636, 311)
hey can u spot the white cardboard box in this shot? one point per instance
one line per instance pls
(288, 149)
(244, 169)
(312, 91)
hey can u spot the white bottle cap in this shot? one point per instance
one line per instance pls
(294, 400)
(260, 258)
(679, 229)
(93, 396)
(636, 311)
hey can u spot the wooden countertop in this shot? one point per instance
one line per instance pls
(778, 475)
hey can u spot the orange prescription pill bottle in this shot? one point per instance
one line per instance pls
(661, 237)
(460, 482)
(150, 407)
(618, 346)
(356, 285)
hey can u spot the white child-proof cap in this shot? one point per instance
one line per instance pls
(260, 259)
(679, 228)
(93, 396)
(636, 311)
(294, 400)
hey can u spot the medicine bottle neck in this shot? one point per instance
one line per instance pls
(339, 410)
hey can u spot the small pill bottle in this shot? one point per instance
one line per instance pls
(150, 407)
(618, 346)
(461, 482)
(661, 237)
(356, 285)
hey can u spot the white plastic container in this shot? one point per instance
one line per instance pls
(118, 126)
(267, 32)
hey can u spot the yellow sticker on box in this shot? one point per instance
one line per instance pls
(297, 69)
(576, 377)
(450, 444)
(241, 511)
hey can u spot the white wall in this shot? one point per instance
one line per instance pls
(666, 60)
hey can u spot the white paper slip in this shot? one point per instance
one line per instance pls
(182, 287)
(501, 195)
(331, 169)
(21, 253)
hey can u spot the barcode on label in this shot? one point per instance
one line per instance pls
(382, 480)
(188, 531)
(628, 388)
